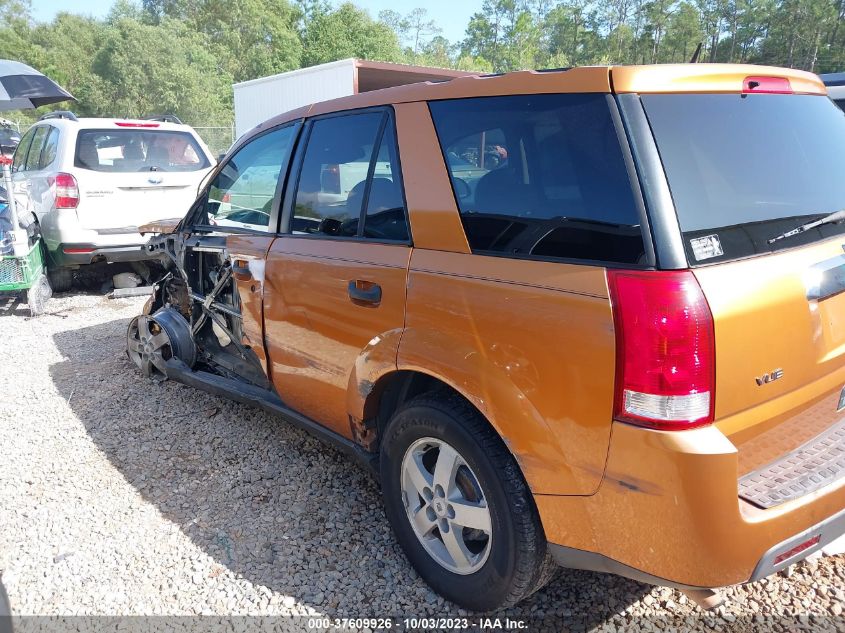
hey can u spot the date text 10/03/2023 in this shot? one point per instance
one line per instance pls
(414, 624)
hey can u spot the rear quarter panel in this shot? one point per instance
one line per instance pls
(531, 345)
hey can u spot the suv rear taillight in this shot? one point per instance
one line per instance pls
(67, 191)
(665, 356)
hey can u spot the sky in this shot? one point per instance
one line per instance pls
(451, 15)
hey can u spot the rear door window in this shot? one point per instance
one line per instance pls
(350, 174)
(743, 169)
(133, 150)
(333, 176)
(540, 176)
(385, 217)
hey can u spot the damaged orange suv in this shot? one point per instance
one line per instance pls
(589, 318)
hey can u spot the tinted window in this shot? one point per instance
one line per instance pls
(333, 178)
(242, 193)
(743, 169)
(841, 103)
(20, 153)
(51, 147)
(541, 176)
(138, 149)
(385, 217)
(34, 153)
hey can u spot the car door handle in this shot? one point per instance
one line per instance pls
(364, 292)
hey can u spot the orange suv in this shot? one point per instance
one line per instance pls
(591, 318)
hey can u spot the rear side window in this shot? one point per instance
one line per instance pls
(540, 176)
(131, 150)
(349, 183)
(33, 156)
(840, 103)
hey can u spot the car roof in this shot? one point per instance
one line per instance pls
(658, 78)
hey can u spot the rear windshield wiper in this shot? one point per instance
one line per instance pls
(831, 218)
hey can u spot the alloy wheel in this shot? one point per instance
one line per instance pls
(446, 506)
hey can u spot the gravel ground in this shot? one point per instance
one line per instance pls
(119, 496)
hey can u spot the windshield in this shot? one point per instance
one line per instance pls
(138, 150)
(743, 169)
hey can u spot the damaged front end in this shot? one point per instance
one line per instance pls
(193, 319)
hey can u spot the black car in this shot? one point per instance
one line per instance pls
(835, 87)
(9, 140)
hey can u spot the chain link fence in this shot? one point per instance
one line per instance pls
(218, 139)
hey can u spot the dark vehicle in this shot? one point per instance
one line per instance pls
(835, 87)
(9, 140)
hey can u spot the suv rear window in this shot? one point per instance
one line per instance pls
(138, 150)
(744, 169)
(540, 176)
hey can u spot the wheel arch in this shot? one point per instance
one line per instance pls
(428, 358)
(395, 388)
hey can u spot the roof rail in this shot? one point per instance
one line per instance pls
(166, 118)
(59, 114)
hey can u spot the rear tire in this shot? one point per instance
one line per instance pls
(489, 569)
(61, 279)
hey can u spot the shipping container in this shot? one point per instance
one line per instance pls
(259, 99)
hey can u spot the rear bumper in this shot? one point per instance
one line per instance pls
(82, 254)
(668, 512)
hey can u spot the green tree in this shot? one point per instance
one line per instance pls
(144, 69)
(506, 33)
(683, 34)
(437, 53)
(65, 50)
(248, 38)
(420, 29)
(15, 28)
(348, 32)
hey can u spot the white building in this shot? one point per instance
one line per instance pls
(259, 99)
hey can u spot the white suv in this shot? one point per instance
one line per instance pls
(92, 182)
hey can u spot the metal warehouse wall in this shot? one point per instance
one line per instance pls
(259, 99)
